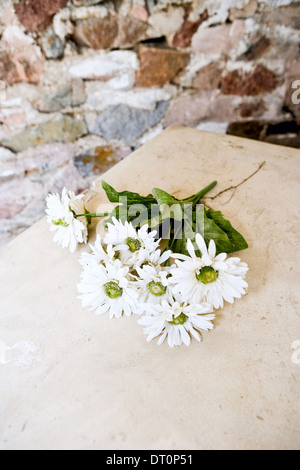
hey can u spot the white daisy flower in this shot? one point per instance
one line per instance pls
(133, 245)
(155, 259)
(210, 278)
(99, 254)
(107, 289)
(61, 213)
(177, 322)
(153, 285)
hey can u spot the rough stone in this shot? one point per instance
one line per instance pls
(72, 95)
(252, 109)
(61, 129)
(52, 46)
(117, 69)
(166, 22)
(245, 12)
(97, 160)
(100, 97)
(36, 163)
(287, 16)
(127, 124)
(189, 109)
(240, 82)
(248, 129)
(130, 31)
(97, 33)
(21, 65)
(183, 37)
(159, 66)
(220, 39)
(257, 49)
(208, 78)
(36, 15)
(140, 13)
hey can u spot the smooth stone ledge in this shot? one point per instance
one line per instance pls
(71, 380)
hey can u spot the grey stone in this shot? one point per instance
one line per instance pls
(71, 95)
(61, 129)
(53, 46)
(127, 124)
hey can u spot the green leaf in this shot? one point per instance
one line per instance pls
(162, 197)
(237, 241)
(132, 198)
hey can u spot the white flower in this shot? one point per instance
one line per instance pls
(107, 289)
(134, 245)
(210, 278)
(60, 211)
(155, 259)
(154, 286)
(98, 255)
(177, 322)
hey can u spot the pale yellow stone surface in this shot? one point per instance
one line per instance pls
(95, 383)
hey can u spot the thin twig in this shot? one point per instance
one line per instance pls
(236, 186)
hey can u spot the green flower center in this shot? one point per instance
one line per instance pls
(207, 275)
(113, 290)
(180, 320)
(156, 288)
(61, 222)
(133, 244)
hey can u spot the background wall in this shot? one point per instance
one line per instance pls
(85, 82)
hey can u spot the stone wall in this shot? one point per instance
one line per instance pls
(85, 82)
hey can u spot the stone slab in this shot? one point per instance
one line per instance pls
(71, 380)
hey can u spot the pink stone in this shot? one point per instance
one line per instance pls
(220, 39)
(140, 13)
(189, 109)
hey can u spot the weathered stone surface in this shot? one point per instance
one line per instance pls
(259, 80)
(126, 124)
(208, 78)
(61, 129)
(159, 66)
(246, 11)
(287, 16)
(183, 37)
(52, 46)
(36, 15)
(130, 31)
(140, 13)
(97, 160)
(117, 69)
(166, 22)
(24, 65)
(252, 109)
(257, 49)
(101, 97)
(97, 33)
(249, 129)
(73, 94)
(189, 109)
(219, 40)
(35, 163)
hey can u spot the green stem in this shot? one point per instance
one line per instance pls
(196, 198)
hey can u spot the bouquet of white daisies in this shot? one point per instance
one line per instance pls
(162, 259)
